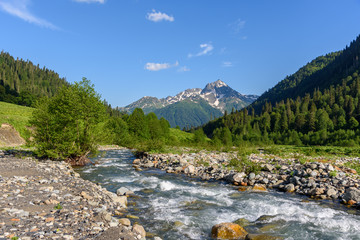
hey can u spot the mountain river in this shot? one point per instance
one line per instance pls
(179, 207)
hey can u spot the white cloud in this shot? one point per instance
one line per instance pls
(19, 8)
(227, 64)
(91, 1)
(184, 69)
(159, 16)
(207, 48)
(160, 66)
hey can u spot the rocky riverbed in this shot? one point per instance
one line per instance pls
(316, 178)
(48, 200)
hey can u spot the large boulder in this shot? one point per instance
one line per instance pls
(352, 194)
(228, 231)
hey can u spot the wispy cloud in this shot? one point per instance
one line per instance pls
(90, 1)
(237, 25)
(206, 49)
(159, 16)
(19, 8)
(184, 69)
(160, 66)
(227, 64)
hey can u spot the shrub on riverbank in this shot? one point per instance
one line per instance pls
(68, 126)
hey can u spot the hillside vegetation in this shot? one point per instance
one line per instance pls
(318, 105)
(321, 73)
(188, 113)
(17, 116)
(21, 82)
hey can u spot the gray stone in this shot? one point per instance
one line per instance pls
(238, 177)
(139, 230)
(290, 188)
(331, 192)
(189, 170)
(352, 194)
(252, 176)
(122, 191)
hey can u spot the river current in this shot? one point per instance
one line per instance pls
(179, 207)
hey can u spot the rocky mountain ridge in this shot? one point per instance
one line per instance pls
(217, 94)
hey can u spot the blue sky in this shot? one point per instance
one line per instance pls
(135, 48)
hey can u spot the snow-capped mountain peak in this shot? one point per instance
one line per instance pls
(217, 94)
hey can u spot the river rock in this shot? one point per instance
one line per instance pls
(289, 188)
(259, 188)
(139, 230)
(190, 170)
(238, 177)
(125, 222)
(262, 237)
(122, 200)
(252, 176)
(331, 192)
(242, 222)
(122, 191)
(352, 194)
(228, 231)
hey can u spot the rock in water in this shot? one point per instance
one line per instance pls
(262, 237)
(228, 231)
(122, 191)
(139, 230)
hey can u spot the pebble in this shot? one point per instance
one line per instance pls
(38, 205)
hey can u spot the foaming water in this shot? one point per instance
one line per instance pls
(179, 207)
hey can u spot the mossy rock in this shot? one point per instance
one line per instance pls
(262, 237)
(178, 224)
(265, 218)
(242, 222)
(228, 231)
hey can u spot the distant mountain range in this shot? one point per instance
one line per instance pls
(196, 106)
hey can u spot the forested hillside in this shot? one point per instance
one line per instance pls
(21, 82)
(321, 73)
(187, 113)
(320, 104)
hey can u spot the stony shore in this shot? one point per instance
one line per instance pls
(48, 200)
(316, 178)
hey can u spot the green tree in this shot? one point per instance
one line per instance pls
(67, 126)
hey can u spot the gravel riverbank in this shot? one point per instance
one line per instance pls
(48, 200)
(316, 178)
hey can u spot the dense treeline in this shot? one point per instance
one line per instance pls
(137, 130)
(318, 105)
(321, 73)
(21, 82)
(330, 117)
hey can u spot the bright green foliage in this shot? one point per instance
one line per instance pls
(200, 137)
(68, 125)
(140, 131)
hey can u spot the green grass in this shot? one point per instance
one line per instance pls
(353, 165)
(313, 151)
(17, 116)
(181, 136)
